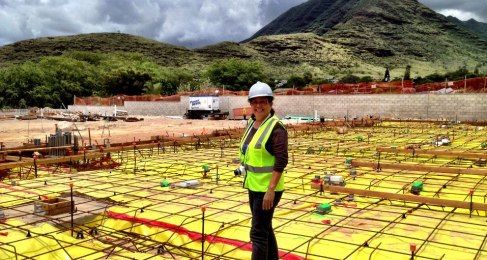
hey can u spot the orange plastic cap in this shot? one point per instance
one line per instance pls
(412, 247)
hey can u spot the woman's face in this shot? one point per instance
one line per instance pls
(261, 107)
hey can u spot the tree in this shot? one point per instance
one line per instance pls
(54, 80)
(17, 81)
(307, 77)
(41, 96)
(366, 79)
(407, 73)
(168, 81)
(235, 74)
(126, 81)
(299, 82)
(22, 103)
(459, 74)
(387, 76)
(350, 78)
(65, 77)
(296, 82)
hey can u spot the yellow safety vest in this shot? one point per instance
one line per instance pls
(258, 162)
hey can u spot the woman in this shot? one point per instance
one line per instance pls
(263, 152)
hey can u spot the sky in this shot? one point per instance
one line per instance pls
(190, 23)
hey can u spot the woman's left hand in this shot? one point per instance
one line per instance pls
(268, 201)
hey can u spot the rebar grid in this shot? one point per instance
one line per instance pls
(142, 171)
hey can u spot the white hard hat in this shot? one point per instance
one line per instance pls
(260, 89)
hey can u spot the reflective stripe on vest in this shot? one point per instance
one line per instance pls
(250, 123)
(258, 169)
(258, 145)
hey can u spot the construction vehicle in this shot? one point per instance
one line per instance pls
(205, 107)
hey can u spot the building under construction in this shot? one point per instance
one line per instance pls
(362, 189)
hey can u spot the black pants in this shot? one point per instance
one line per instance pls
(264, 244)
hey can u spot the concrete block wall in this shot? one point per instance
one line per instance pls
(228, 103)
(156, 108)
(431, 106)
(103, 110)
(426, 106)
(13, 112)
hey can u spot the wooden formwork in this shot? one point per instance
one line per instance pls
(445, 153)
(54, 206)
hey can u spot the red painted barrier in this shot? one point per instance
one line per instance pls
(195, 236)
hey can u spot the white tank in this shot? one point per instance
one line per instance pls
(336, 179)
(445, 141)
(186, 184)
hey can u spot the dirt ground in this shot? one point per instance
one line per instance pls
(15, 132)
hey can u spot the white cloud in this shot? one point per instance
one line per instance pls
(462, 15)
(183, 22)
(462, 9)
(214, 20)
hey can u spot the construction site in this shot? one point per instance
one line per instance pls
(357, 186)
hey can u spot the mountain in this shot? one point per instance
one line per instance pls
(97, 42)
(325, 37)
(317, 16)
(380, 32)
(474, 26)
